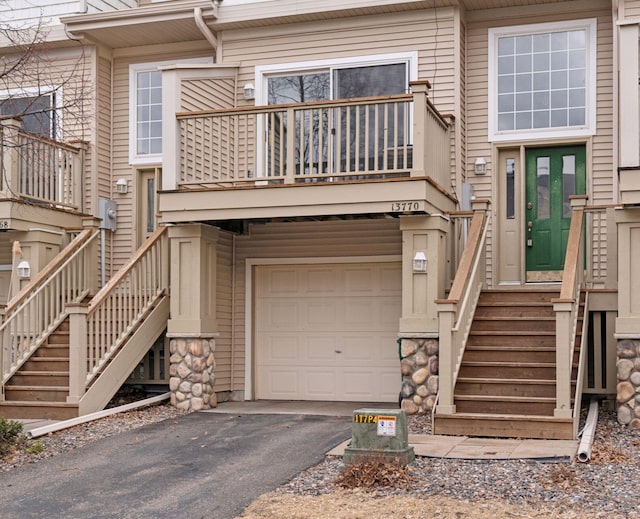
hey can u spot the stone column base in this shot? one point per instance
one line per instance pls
(419, 368)
(191, 371)
(628, 389)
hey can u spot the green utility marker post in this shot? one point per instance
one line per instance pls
(379, 433)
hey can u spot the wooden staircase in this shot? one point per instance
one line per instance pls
(39, 389)
(506, 386)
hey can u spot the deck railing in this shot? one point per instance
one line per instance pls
(41, 306)
(97, 330)
(455, 314)
(567, 308)
(326, 141)
(38, 169)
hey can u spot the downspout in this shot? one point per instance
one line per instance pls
(204, 28)
(616, 107)
(588, 433)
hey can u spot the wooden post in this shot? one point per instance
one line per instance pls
(91, 259)
(563, 359)
(420, 90)
(11, 159)
(77, 350)
(291, 138)
(447, 311)
(3, 309)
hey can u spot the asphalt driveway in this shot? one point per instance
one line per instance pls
(202, 465)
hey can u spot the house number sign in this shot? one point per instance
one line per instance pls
(406, 206)
(4, 224)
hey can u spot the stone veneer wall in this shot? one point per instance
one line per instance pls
(419, 368)
(191, 373)
(628, 388)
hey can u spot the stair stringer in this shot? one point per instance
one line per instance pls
(577, 399)
(111, 378)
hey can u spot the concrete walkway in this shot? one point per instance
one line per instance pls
(427, 445)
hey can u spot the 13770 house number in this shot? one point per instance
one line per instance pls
(401, 207)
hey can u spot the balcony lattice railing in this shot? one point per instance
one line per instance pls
(38, 169)
(327, 141)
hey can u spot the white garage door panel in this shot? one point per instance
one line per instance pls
(327, 332)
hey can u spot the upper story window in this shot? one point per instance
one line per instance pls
(145, 109)
(542, 80)
(37, 109)
(336, 79)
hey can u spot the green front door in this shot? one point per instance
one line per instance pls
(553, 175)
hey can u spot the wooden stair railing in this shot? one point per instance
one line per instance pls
(455, 314)
(40, 307)
(99, 330)
(566, 308)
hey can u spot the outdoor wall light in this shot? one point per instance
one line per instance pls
(480, 166)
(24, 270)
(420, 262)
(249, 91)
(121, 186)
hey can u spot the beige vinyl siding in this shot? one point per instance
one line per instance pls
(207, 95)
(224, 304)
(632, 9)
(313, 239)
(356, 36)
(124, 238)
(600, 181)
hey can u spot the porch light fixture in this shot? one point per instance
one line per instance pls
(420, 263)
(249, 91)
(121, 186)
(480, 166)
(24, 270)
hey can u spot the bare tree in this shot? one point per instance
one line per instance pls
(46, 88)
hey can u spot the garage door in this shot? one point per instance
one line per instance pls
(328, 332)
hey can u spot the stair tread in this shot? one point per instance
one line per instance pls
(501, 363)
(42, 373)
(512, 332)
(18, 387)
(504, 418)
(504, 398)
(515, 318)
(509, 347)
(493, 380)
(38, 403)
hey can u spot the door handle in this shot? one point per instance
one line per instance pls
(529, 233)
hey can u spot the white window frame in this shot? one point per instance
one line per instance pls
(56, 133)
(590, 27)
(263, 72)
(134, 70)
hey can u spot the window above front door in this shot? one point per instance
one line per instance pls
(542, 80)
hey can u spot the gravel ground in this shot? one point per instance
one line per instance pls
(608, 486)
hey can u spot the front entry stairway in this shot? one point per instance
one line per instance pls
(511, 361)
(66, 346)
(506, 384)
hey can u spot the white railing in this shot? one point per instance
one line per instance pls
(99, 329)
(455, 314)
(351, 139)
(41, 306)
(39, 169)
(567, 308)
